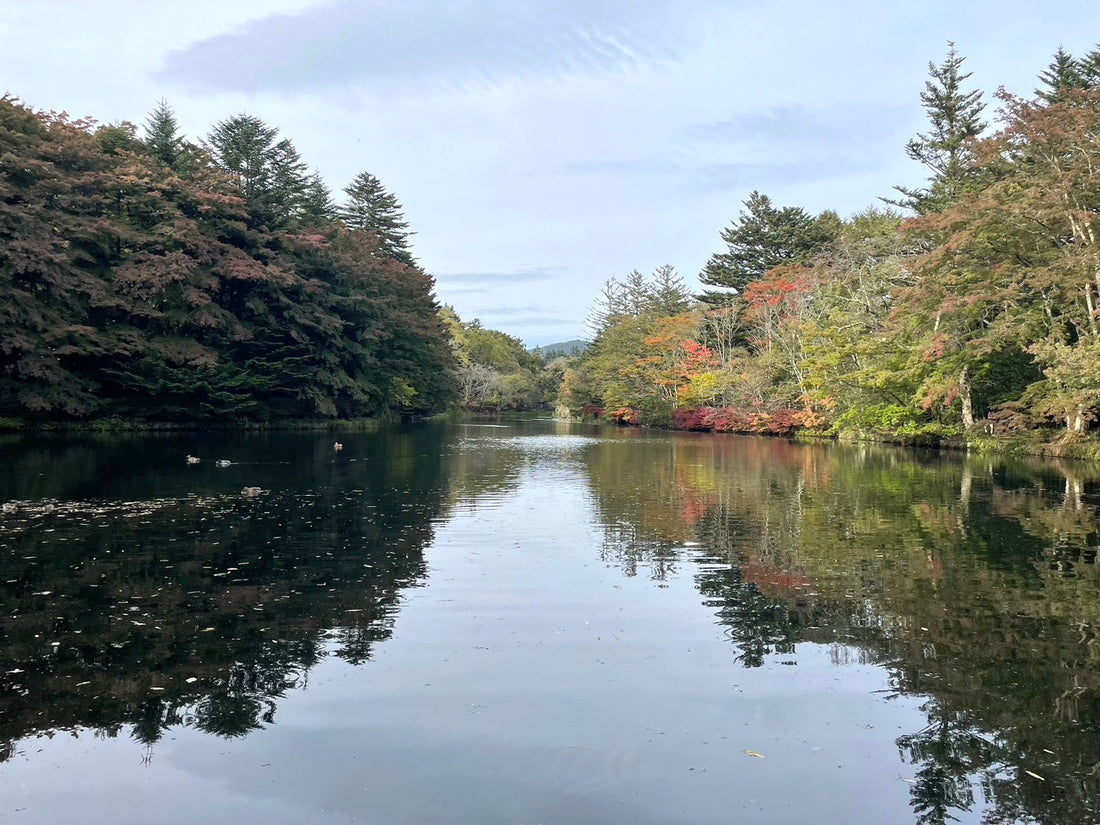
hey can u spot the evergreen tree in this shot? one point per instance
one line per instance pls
(162, 139)
(1089, 66)
(636, 293)
(1064, 72)
(116, 138)
(955, 117)
(317, 204)
(763, 237)
(668, 293)
(370, 207)
(607, 309)
(291, 184)
(269, 173)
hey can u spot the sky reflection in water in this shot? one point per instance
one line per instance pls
(543, 623)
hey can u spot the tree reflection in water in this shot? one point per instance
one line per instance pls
(974, 581)
(138, 598)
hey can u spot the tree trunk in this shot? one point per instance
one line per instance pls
(1091, 309)
(964, 396)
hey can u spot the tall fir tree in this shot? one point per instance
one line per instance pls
(372, 208)
(1089, 66)
(162, 139)
(1063, 74)
(763, 237)
(269, 173)
(955, 119)
(317, 204)
(668, 293)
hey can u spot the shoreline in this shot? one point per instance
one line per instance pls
(1081, 448)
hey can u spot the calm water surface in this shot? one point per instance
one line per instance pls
(544, 623)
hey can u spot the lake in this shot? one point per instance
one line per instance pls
(544, 623)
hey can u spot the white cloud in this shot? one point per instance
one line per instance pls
(444, 42)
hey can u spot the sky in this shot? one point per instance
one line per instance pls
(541, 147)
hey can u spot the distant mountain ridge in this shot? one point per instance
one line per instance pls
(573, 347)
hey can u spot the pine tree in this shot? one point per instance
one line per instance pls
(243, 146)
(607, 309)
(668, 293)
(269, 173)
(1064, 72)
(371, 208)
(762, 238)
(317, 204)
(955, 117)
(290, 182)
(1089, 66)
(162, 138)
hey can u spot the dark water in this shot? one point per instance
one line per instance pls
(544, 624)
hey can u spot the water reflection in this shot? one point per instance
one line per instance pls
(141, 594)
(197, 605)
(974, 581)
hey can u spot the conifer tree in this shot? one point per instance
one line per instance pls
(269, 173)
(668, 293)
(162, 138)
(1089, 66)
(955, 118)
(317, 204)
(1064, 72)
(608, 308)
(372, 208)
(763, 237)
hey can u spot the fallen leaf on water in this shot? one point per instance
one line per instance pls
(757, 755)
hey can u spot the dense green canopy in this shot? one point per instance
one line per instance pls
(157, 280)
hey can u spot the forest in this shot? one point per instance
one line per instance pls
(148, 278)
(964, 309)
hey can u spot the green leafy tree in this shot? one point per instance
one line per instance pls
(955, 119)
(370, 207)
(763, 237)
(116, 138)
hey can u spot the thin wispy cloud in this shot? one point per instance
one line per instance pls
(517, 312)
(535, 274)
(463, 290)
(448, 42)
(714, 177)
(865, 122)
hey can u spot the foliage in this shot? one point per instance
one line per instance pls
(371, 208)
(762, 238)
(497, 372)
(979, 316)
(149, 280)
(954, 116)
(1063, 74)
